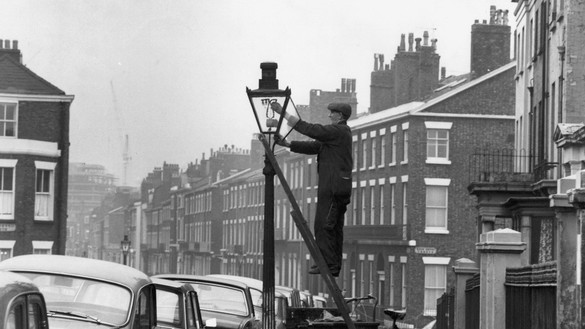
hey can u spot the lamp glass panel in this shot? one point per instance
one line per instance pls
(267, 118)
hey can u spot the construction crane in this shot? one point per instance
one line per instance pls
(126, 158)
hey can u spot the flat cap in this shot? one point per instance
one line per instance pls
(342, 108)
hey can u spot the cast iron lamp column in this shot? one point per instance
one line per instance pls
(260, 100)
(125, 247)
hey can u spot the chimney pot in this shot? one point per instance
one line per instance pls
(14, 44)
(1, 43)
(402, 43)
(410, 41)
(7, 44)
(484, 21)
(417, 43)
(443, 72)
(425, 38)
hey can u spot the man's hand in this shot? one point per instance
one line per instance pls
(278, 139)
(276, 107)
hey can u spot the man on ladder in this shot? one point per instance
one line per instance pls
(333, 145)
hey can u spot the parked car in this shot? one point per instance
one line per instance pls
(224, 303)
(22, 305)
(89, 293)
(177, 305)
(292, 295)
(256, 288)
(306, 299)
(320, 301)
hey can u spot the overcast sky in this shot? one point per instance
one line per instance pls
(172, 74)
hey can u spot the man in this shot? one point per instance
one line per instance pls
(332, 144)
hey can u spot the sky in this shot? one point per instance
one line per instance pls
(172, 74)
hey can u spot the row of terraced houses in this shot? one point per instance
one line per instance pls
(467, 190)
(411, 216)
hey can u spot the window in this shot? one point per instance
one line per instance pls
(7, 188)
(392, 201)
(42, 247)
(436, 205)
(391, 282)
(404, 200)
(372, 205)
(44, 190)
(381, 200)
(7, 120)
(405, 142)
(363, 219)
(435, 282)
(438, 142)
(364, 151)
(382, 150)
(354, 206)
(374, 152)
(355, 152)
(6, 247)
(393, 145)
(403, 288)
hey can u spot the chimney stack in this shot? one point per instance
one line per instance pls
(490, 44)
(410, 41)
(13, 51)
(402, 43)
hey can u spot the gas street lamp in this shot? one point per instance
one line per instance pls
(269, 123)
(125, 247)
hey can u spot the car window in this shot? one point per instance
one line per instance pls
(256, 297)
(15, 317)
(35, 313)
(168, 310)
(218, 298)
(104, 301)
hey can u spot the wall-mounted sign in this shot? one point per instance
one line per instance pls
(425, 250)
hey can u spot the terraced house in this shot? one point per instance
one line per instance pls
(34, 159)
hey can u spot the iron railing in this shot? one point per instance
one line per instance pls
(508, 165)
(446, 311)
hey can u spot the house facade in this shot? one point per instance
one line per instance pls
(34, 159)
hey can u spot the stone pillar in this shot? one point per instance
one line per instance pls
(464, 269)
(568, 273)
(499, 250)
(526, 231)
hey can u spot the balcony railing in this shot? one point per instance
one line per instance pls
(508, 165)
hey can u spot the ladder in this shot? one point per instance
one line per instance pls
(307, 235)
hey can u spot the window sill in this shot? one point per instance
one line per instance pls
(372, 167)
(436, 231)
(392, 164)
(438, 161)
(42, 219)
(404, 162)
(381, 166)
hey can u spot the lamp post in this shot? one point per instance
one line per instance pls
(125, 247)
(268, 124)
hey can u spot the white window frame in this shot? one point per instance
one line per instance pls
(430, 302)
(381, 195)
(392, 181)
(364, 143)
(393, 144)
(7, 245)
(438, 182)
(438, 125)
(373, 149)
(10, 163)
(39, 246)
(404, 143)
(49, 166)
(355, 152)
(382, 148)
(372, 202)
(3, 105)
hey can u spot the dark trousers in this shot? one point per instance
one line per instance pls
(329, 229)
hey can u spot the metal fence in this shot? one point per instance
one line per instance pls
(505, 165)
(531, 296)
(472, 302)
(446, 311)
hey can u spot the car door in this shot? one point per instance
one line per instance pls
(27, 311)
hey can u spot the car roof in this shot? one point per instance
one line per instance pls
(77, 266)
(202, 278)
(251, 282)
(171, 284)
(15, 284)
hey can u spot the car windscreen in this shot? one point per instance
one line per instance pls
(83, 299)
(218, 298)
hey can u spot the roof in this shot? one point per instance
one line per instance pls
(458, 85)
(78, 266)
(18, 79)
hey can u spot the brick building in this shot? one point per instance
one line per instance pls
(34, 159)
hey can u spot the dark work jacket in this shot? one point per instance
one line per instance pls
(332, 144)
